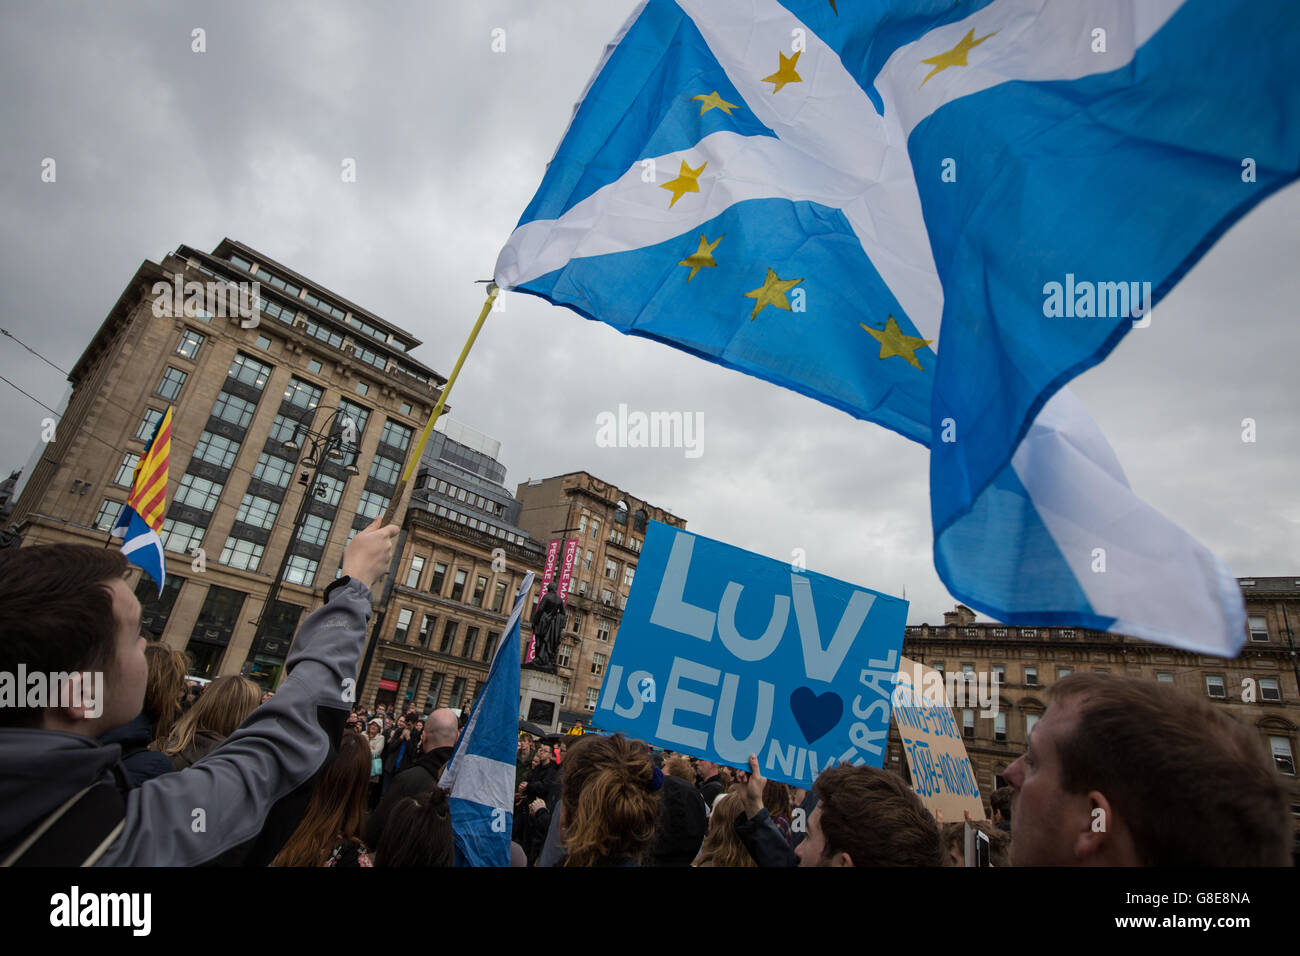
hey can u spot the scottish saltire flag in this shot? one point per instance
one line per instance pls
(932, 215)
(142, 516)
(480, 778)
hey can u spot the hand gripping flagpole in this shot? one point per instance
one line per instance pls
(413, 461)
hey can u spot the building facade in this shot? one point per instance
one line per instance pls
(250, 386)
(1258, 687)
(610, 526)
(462, 558)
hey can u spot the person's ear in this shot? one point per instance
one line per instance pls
(841, 859)
(84, 693)
(1095, 842)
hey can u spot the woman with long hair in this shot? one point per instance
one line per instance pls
(166, 687)
(223, 706)
(610, 801)
(330, 831)
(418, 832)
(722, 846)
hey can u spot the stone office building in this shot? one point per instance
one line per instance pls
(1257, 687)
(462, 558)
(610, 526)
(246, 388)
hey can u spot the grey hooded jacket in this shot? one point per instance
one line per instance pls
(190, 817)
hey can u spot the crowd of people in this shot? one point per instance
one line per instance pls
(1117, 772)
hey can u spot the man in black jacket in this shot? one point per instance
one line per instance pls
(401, 750)
(542, 783)
(437, 744)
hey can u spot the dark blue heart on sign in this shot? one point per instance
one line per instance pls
(815, 715)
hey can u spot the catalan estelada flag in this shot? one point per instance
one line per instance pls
(142, 516)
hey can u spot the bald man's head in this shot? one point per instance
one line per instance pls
(440, 730)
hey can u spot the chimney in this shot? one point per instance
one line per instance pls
(961, 615)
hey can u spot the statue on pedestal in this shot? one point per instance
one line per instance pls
(548, 624)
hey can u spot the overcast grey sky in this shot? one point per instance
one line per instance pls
(157, 145)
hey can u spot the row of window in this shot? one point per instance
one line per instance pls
(461, 689)
(1257, 625)
(428, 625)
(999, 724)
(471, 498)
(459, 578)
(603, 625)
(607, 597)
(1268, 688)
(478, 524)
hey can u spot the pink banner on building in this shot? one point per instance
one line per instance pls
(548, 575)
(566, 569)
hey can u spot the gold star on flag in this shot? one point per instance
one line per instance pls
(957, 55)
(894, 342)
(713, 101)
(684, 183)
(771, 292)
(701, 257)
(786, 73)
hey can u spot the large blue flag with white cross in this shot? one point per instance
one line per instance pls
(932, 215)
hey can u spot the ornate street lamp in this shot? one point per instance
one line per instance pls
(337, 443)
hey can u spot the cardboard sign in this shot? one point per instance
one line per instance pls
(722, 653)
(942, 775)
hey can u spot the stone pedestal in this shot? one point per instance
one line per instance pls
(539, 696)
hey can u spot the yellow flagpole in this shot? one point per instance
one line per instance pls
(414, 460)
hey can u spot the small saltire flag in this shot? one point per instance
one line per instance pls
(480, 777)
(142, 516)
(820, 195)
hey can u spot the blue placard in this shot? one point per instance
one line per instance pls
(722, 653)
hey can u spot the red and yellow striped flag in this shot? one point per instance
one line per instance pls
(149, 482)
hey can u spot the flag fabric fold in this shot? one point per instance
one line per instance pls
(480, 777)
(932, 217)
(141, 519)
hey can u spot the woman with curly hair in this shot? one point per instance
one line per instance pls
(610, 801)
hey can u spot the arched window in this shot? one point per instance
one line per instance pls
(639, 522)
(620, 514)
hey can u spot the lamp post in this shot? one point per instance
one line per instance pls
(337, 443)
